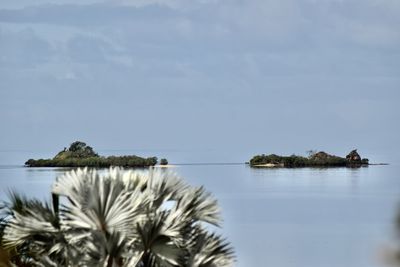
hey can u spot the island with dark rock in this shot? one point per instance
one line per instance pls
(81, 155)
(315, 159)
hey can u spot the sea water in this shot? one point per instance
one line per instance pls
(307, 217)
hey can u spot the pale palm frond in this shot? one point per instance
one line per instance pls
(32, 229)
(29, 219)
(105, 250)
(108, 207)
(117, 218)
(156, 245)
(75, 185)
(132, 179)
(211, 251)
(46, 262)
(4, 212)
(165, 186)
(199, 205)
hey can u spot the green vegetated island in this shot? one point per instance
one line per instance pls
(315, 159)
(81, 155)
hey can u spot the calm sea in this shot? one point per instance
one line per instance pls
(282, 217)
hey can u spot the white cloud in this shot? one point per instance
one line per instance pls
(12, 4)
(141, 3)
(215, 38)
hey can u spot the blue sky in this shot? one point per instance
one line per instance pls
(227, 78)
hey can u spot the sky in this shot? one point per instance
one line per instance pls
(198, 80)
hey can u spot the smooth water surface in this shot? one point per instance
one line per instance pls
(335, 217)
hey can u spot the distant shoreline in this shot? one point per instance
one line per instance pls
(81, 155)
(315, 159)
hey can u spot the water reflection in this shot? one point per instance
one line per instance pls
(334, 217)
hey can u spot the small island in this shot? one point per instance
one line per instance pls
(81, 155)
(315, 159)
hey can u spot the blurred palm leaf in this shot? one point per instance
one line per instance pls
(119, 218)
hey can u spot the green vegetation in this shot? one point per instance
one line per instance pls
(81, 155)
(119, 218)
(76, 150)
(315, 159)
(163, 162)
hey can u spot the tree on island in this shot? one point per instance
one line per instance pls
(81, 155)
(120, 218)
(311, 152)
(163, 162)
(314, 159)
(79, 146)
(77, 149)
(353, 156)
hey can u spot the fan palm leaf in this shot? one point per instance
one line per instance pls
(117, 218)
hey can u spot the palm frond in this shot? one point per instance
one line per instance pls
(156, 245)
(117, 218)
(211, 251)
(34, 220)
(165, 186)
(200, 206)
(108, 207)
(133, 180)
(75, 185)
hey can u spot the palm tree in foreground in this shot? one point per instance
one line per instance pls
(119, 218)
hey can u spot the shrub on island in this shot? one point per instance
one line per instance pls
(319, 159)
(163, 162)
(81, 155)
